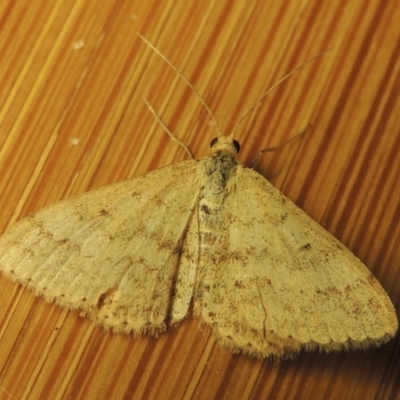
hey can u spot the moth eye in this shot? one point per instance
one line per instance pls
(237, 145)
(213, 142)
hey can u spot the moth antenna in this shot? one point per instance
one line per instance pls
(274, 86)
(171, 135)
(185, 80)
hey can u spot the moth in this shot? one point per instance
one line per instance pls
(261, 273)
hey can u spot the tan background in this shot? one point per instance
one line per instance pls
(73, 75)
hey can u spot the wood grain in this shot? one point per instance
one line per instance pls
(73, 76)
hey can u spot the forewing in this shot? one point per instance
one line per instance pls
(118, 253)
(281, 282)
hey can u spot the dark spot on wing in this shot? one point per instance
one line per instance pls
(104, 213)
(205, 209)
(105, 296)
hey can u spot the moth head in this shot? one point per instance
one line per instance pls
(225, 143)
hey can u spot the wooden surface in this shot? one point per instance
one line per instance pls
(73, 75)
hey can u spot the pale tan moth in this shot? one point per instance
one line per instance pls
(262, 274)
